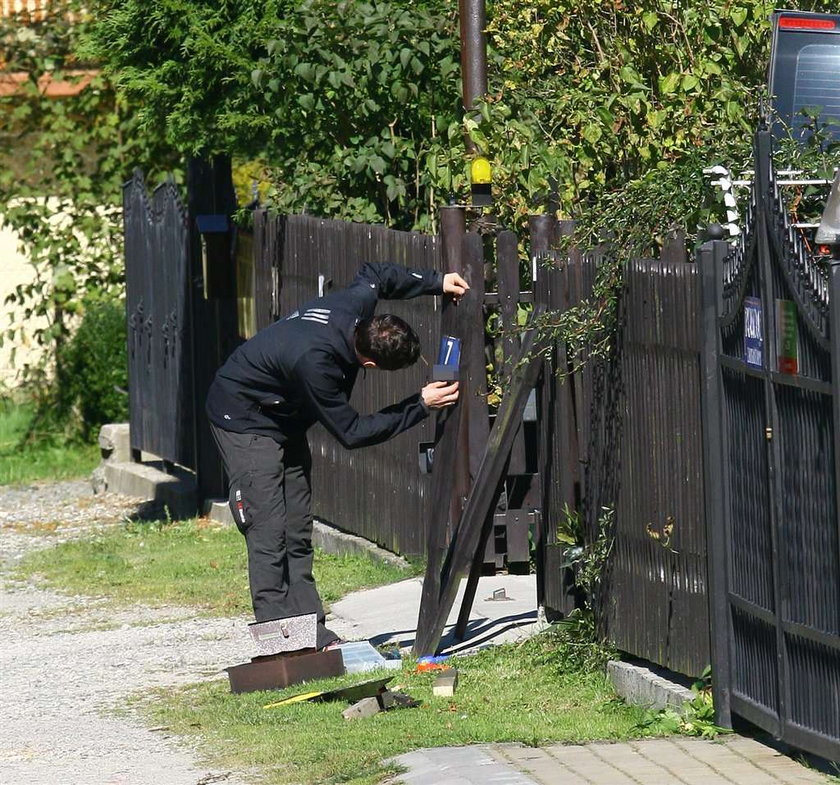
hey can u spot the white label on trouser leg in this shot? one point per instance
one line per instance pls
(240, 508)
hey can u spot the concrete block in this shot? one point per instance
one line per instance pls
(98, 480)
(366, 707)
(175, 493)
(217, 510)
(642, 687)
(115, 443)
(445, 683)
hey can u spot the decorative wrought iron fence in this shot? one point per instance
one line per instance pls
(771, 364)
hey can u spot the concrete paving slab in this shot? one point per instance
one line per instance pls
(673, 761)
(458, 766)
(389, 614)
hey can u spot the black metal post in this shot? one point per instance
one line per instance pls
(834, 335)
(763, 167)
(542, 229)
(214, 323)
(709, 260)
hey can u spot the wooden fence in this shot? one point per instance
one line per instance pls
(623, 433)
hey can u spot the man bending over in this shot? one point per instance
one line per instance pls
(297, 371)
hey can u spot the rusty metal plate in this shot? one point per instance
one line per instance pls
(277, 672)
(281, 636)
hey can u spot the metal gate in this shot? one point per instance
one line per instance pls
(771, 399)
(160, 379)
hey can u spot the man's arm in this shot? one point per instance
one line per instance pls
(321, 386)
(394, 282)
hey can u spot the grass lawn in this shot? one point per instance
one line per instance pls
(43, 461)
(513, 693)
(197, 563)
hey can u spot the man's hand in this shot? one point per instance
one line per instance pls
(436, 395)
(455, 285)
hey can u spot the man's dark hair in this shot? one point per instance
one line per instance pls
(389, 341)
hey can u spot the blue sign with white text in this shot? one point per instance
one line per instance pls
(753, 340)
(450, 351)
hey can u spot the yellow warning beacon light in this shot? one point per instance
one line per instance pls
(481, 177)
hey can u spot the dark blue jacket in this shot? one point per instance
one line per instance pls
(302, 368)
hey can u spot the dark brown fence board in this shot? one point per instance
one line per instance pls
(378, 492)
(507, 266)
(450, 475)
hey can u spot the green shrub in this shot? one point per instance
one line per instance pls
(89, 385)
(92, 371)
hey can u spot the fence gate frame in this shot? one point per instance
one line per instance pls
(767, 436)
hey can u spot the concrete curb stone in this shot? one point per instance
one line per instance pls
(641, 686)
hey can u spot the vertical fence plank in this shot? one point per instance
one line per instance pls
(473, 388)
(709, 259)
(507, 265)
(541, 232)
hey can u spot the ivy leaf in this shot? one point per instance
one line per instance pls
(305, 71)
(650, 20)
(592, 133)
(630, 76)
(689, 82)
(668, 84)
(738, 15)
(394, 189)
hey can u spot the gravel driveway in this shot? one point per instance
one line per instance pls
(68, 664)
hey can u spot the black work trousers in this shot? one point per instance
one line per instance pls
(270, 495)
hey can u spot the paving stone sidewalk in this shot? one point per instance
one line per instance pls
(734, 760)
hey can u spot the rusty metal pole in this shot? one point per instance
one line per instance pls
(473, 15)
